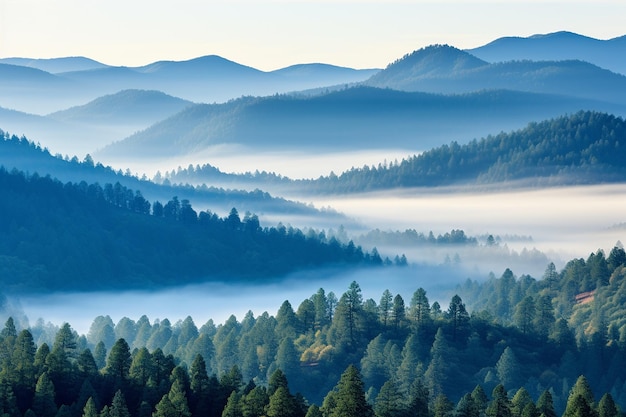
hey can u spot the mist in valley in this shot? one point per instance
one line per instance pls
(530, 227)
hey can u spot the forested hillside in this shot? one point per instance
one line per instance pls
(583, 148)
(354, 118)
(24, 155)
(80, 236)
(526, 353)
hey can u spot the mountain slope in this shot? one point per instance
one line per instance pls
(557, 46)
(135, 107)
(462, 73)
(83, 129)
(91, 238)
(354, 118)
(56, 65)
(584, 148)
(22, 155)
(204, 79)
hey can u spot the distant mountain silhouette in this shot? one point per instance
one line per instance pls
(557, 46)
(206, 79)
(134, 107)
(462, 73)
(56, 65)
(83, 129)
(354, 118)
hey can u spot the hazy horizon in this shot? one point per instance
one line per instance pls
(274, 34)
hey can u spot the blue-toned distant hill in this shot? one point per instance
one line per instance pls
(206, 79)
(609, 54)
(82, 129)
(56, 65)
(584, 148)
(352, 119)
(448, 70)
(128, 107)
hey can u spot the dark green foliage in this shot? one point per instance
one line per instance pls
(60, 247)
(580, 148)
(348, 398)
(419, 369)
(500, 405)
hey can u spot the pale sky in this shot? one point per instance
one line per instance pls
(271, 34)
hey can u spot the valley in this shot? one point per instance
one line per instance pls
(294, 220)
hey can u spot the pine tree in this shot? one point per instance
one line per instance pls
(281, 404)
(388, 401)
(90, 409)
(350, 396)
(118, 406)
(118, 362)
(508, 368)
(178, 398)
(575, 405)
(480, 399)
(545, 404)
(418, 399)
(420, 308)
(8, 403)
(233, 406)
(607, 407)
(314, 411)
(442, 407)
(519, 402)
(43, 402)
(255, 401)
(436, 374)
(500, 405)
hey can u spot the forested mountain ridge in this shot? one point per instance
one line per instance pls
(463, 73)
(24, 155)
(557, 46)
(416, 356)
(582, 148)
(354, 118)
(79, 237)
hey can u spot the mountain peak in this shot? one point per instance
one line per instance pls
(437, 59)
(430, 62)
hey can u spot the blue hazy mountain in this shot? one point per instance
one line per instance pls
(448, 70)
(130, 107)
(82, 129)
(56, 65)
(350, 119)
(206, 79)
(557, 46)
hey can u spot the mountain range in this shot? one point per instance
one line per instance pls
(76, 106)
(448, 70)
(557, 46)
(29, 88)
(584, 148)
(347, 120)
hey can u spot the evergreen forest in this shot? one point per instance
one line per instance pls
(527, 347)
(582, 148)
(55, 235)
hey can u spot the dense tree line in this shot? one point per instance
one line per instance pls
(583, 148)
(391, 357)
(24, 155)
(55, 235)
